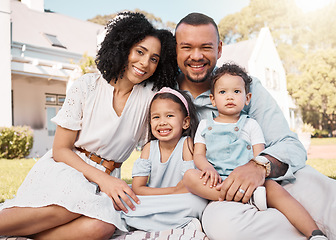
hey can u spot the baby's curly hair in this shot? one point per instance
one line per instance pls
(123, 32)
(231, 69)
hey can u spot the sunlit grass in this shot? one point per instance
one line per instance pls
(325, 166)
(126, 168)
(13, 172)
(323, 141)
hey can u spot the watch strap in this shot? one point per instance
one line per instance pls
(263, 161)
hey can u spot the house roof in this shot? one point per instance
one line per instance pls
(240, 53)
(31, 26)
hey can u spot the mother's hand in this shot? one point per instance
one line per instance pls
(241, 183)
(118, 189)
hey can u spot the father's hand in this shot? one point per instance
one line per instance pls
(241, 183)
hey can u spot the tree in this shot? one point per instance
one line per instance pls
(297, 35)
(156, 21)
(314, 89)
(87, 64)
(102, 20)
(246, 24)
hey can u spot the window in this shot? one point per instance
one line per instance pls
(275, 80)
(54, 99)
(53, 40)
(272, 79)
(60, 99)
(268, 78)
(53, 103)
(51, 99)
(51, 127)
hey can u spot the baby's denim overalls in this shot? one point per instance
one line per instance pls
(225, 150)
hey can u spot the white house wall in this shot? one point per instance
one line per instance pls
(33, 65)
(30, 25)
(44, 62)
(20, 49)
(29, 95)
(265, 56)
(5, 61)
(37, 71)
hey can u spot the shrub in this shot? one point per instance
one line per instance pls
(306, 127)
(15, 142)
(320, 133)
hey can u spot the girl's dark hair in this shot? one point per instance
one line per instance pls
(192, 113)
(123, 32)
(231, 69)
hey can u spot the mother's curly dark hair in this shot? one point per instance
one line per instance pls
(123, 32)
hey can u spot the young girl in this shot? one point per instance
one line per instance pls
(73, 191)
(163, 161)
(232, 139)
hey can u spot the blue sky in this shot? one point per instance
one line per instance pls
(168, 10)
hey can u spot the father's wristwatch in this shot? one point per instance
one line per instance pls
(263, 161)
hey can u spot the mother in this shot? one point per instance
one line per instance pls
(67, 194)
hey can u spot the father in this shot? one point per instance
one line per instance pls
(198, 48)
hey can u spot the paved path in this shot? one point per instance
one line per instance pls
(323, 151)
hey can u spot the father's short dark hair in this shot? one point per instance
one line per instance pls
(197, 19)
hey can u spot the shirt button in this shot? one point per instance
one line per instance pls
(236, 129)
(248, 147)
(209, 128)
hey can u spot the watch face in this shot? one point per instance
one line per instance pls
(265, 162)
(262, 159)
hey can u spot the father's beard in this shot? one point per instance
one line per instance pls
(200, 80)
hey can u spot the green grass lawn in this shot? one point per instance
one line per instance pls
(13, 172)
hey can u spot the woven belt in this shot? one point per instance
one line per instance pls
(108, 164)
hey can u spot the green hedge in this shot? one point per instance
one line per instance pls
(320, 133)
(15, 142)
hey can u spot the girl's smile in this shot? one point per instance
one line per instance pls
(167, 120)
(164, 132)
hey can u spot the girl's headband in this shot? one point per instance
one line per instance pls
(177, 94)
